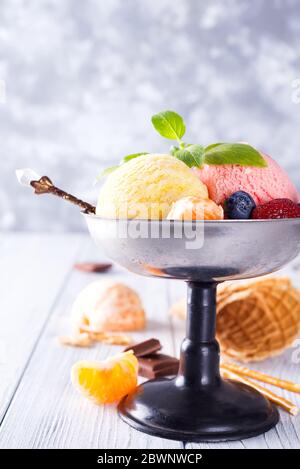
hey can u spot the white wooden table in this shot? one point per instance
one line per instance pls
(38, 406)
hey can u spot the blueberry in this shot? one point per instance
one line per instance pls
(239, 206)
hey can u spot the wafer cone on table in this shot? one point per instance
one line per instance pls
(255, 319)
(227, 288)
(178, 309)
(258, 319)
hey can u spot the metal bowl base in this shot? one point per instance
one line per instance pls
(198, 405)
(225, 411)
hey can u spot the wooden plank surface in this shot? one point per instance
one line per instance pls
(33, 270)
(55, 415)
(38, 406)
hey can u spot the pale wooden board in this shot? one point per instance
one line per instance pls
(287, 432)
(33, 269)
(46, 411)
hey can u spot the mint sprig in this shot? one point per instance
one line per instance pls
(171, 125)
(233, 153)
(106, 172)
(191, 155)
(124, 160)
(132, 156)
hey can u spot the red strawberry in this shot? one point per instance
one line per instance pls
(277, 208)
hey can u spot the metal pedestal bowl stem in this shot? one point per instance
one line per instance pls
(198, 405)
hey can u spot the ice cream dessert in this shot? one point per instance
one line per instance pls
(263, 184)
(237, 182)
(191, 182)
(147, 186)
(159, 186)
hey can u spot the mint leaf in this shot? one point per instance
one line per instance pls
(233, 153)
(212, 145)
(173, 150)
(132, 156)
(124, 160)
(106, 172)
(192, 155)
(169, 124)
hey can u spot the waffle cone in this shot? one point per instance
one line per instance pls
(227, 288)
(255, 319)
(258, 319)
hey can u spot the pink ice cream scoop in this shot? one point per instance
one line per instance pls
(263, 184)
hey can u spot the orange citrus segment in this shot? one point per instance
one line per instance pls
(195, 208)
(108, 381)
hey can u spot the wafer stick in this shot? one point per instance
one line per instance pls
(280, 383)
(280, 401)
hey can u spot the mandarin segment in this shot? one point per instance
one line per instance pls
(195, 208)
(108, 381)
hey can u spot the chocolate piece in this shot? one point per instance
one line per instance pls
(92, 266)
(45, 186)
(158, 365)
(147, 347)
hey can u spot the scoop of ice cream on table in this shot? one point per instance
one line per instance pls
(107, 305)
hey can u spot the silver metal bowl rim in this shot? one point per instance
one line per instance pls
(208, 222)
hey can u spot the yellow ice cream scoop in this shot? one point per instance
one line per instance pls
(146, 188)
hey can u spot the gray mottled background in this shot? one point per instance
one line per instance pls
(82, 79)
